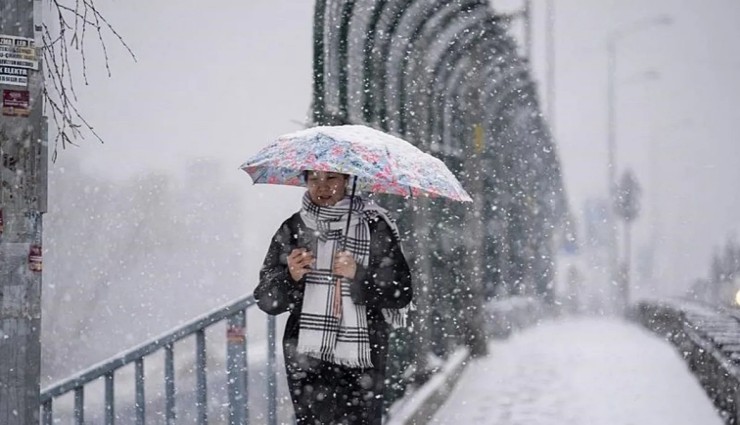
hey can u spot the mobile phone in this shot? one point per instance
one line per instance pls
(307, 240)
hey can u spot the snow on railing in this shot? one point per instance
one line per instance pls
(708, 338)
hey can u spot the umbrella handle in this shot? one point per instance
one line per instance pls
(337, 301)
(349, 216)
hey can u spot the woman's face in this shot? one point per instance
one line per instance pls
(324, 188)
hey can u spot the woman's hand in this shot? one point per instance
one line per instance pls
(300, 261)
(345, 265)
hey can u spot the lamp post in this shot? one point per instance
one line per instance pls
(612, 40)
(656, 167)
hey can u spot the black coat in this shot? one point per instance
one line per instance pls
(384, 283)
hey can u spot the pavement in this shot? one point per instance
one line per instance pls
(579, 371)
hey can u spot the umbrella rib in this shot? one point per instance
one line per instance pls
(261, 175)
(392, 163)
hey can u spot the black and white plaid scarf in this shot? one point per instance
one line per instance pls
(345, 339)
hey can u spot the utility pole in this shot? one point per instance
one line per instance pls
(611, 50)
(22, 201)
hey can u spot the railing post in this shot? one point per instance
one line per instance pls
(46, 413)
(200, 376)
(737, 403)
(271, 373)
(80, 406)
(109, 399)
(140, 398)
(169, 384)
(236, 367)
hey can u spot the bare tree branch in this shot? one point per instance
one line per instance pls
(58, 45)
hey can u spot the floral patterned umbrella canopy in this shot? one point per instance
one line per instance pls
(381, 162)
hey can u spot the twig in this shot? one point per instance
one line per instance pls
(60, 97)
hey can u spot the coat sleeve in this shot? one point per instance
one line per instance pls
(277, 292)
(386, 281)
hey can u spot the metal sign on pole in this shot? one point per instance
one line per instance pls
(22, 202)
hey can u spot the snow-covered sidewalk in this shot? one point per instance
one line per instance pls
(579, 372)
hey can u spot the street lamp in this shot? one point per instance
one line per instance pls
(611, 45)
(626, 204)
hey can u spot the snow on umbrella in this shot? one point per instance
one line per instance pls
(381, 163)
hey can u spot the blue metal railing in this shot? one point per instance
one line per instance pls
(236, 369)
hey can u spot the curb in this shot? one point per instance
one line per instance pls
(421, 405)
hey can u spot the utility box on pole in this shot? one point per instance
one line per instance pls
(23, 150)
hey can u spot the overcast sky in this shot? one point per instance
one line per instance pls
(220, 79)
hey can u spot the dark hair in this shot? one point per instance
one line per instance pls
(304, 175)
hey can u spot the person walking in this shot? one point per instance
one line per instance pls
(337, 267)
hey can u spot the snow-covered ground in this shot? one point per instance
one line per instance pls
(584, 371)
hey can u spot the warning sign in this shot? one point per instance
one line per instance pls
(16, 103)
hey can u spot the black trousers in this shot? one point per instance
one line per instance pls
(325, 393)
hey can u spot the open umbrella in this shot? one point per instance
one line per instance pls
(380, 162)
